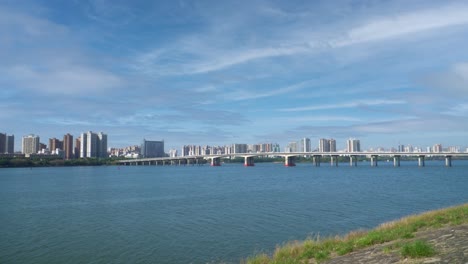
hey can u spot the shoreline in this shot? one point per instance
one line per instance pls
(383, 243)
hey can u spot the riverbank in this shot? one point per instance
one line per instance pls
(54, 162)
(439, 236)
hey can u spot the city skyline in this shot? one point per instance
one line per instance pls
(90, 144)
(387, 73)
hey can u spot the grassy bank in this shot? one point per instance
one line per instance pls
(400, 230)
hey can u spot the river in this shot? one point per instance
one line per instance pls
(203, 214)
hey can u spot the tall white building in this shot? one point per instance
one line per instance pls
(291, 147)
(93, 145)
(324, 145)
(437, 148)
(327, 145)
(353, 145)
(305, 145)
(30, 145)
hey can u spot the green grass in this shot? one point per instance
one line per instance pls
(417, 249)
(403, 229)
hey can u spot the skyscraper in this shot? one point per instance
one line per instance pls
(102, 145)
(239, 148)
(3, 143)
(437, 148)
(54, 144)
(77, 147)
(305, 145)
(68, 146)
(332, 143)
(291, 147)
(324, 145)
(93, 145)
(30, 144)
(353, 145)
(10, 144)
(152, 149)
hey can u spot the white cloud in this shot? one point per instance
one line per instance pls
(62, 79)
(458, 110)
(343, 105)
(406, 24)
(205, 53)
(241, 95)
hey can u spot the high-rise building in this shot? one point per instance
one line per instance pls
(30, 144)
(7, 143)
(291, 147)
(324, 145)
(68, 146)
(3, 143)
(353, 145)
(102, 145)
(10, 144)
(152, 149)
(305, 145)
(54, 144)
(437, 148)
(327, 145)
(77, 147)
(239, 148)
(332, 143)
(93, 145)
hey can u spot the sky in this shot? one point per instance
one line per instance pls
(223, 72)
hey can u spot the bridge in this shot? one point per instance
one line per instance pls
(289, 158)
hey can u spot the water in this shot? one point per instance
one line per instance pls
(200, 214)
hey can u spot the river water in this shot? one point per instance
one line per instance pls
(202, 214)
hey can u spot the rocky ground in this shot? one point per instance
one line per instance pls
(450, 243)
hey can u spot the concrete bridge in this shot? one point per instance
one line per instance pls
(289, 158)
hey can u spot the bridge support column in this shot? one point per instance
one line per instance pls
(249, 161)
(353, 160)
(448, 161)
(289, 161)
(396, 161)
(334, 160)
(215, 161)
(421, 161)
(316, 160)
(373, 160)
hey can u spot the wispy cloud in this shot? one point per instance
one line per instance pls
(458, 110)
(241, 95)
(406, 24)
(361, 103)
(62, 79)
(202, 57)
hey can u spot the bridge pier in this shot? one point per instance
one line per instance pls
(316, 160)
(334, 160)
(289, 161)
(216, 161)
(249, 161)
(448, 161)
(421, 161)
(353, 160)
(373, 160)
(396, 161)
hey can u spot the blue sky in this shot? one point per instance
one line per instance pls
(222, 72)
